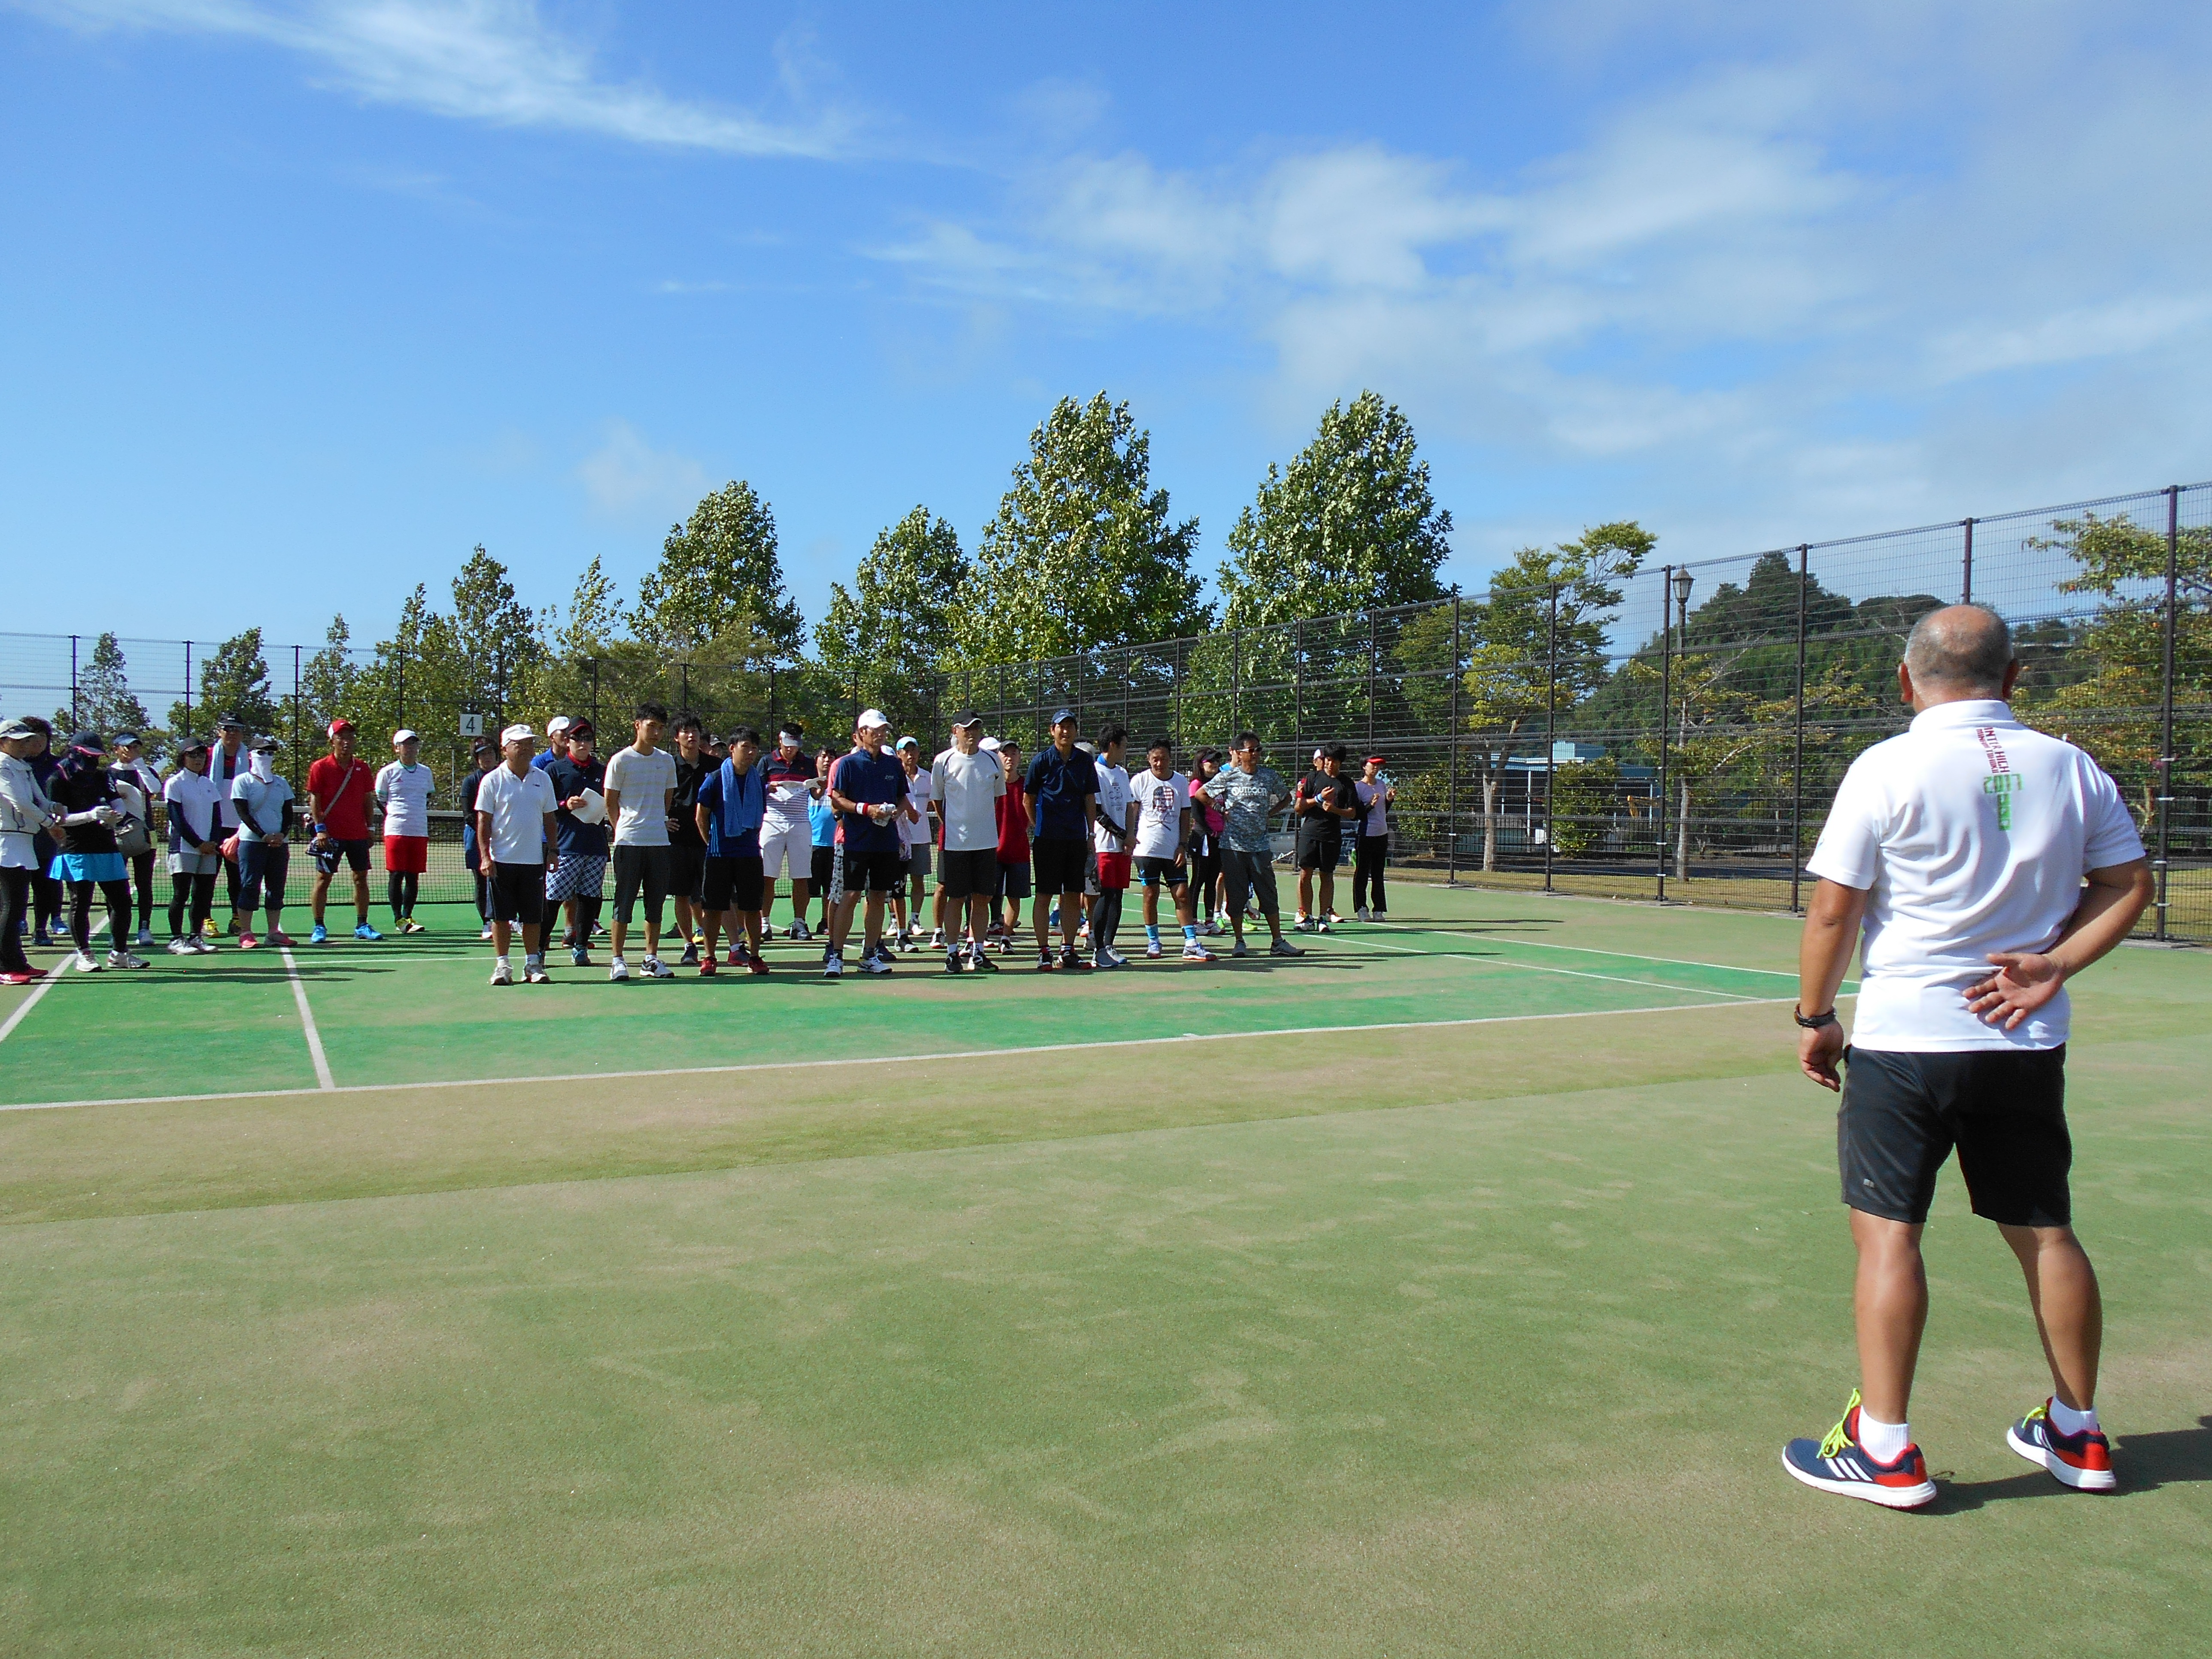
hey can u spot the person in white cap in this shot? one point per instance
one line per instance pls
(869, 790)
(556, 743)
(967, 783)
(134, 775)
(786, 835)
(916, 837)
(24, 811)
(402, 790)
(264, 803)
(188, 802)
(515, 838)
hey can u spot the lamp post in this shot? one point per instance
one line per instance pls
(1683, 582)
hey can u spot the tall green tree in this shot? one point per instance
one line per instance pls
(330, 686)
(493, 635)
(105, 703)
(595, 618)
(883, 638)
(1349, 525)
(1082, 553)
(233, 680)
(719, 589)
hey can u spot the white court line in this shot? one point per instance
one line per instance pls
(888, 1059)
(323, 1078)
(1626, 956)
(52, 979)
(1572, 973)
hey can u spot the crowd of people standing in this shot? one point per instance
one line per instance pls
(879, 837)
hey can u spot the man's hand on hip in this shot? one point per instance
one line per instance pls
(2024, 981)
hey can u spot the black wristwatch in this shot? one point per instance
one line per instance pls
(1812, 1021)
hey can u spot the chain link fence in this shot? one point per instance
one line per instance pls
(1674, 735)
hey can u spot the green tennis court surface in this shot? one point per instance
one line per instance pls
(1384, 1335)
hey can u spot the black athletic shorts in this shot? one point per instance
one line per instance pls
(518, 893)
(1321, 849)
(731, 884)
(823, 866)
(1153, 872)
(687, 864)
(968, 875)
(1061, 865)
(2004, 1109)
(1249, 874)
(641, 866)
(331, 854)
(869, 869)
(1013, 881)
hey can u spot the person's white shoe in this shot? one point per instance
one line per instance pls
(1365, 914)
(833, 966)
(182, 947)
(202, 946)
(878, 963)
(125, 959)
(1153, 951)
(1107, 956)
(618, 968)
(502, 974)
(534, 973)
(486, 935)
(937, 938)
(654, 968)
(85, 962)
(800, 931)
(1194, 952)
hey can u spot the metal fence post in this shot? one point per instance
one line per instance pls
(1966, 570)
(1451, 764)
(77, 720)
(299, 773)
(1374, 663)
(1551, 724)
(1798, 752)
(188, 686)
(1666, 702)
(2165, 782)
(399, 687)
(1236, 680)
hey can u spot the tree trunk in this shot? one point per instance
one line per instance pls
(1490, 821)
(1682, 837)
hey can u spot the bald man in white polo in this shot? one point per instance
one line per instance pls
(1986, 864)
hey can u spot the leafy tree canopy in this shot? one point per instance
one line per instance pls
(882, 638)
(1350, 526)
(718, 589)
(233, 680)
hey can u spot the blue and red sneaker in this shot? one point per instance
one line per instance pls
(1840, 1465)
(2083, 1461)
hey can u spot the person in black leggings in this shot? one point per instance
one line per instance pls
(127, 764)
(24, 811)
(195, 833)
(86, 856)
(1372, 851)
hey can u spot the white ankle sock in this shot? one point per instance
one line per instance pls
(2067, 1421)
(1882, 1441)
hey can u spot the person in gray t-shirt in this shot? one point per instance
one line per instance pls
(1249, 795)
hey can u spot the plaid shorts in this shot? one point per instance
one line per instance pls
(577, 875)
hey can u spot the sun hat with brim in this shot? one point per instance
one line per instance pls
(909, 743)
(192, 746)
(871, 718)
(125, 740)
(262, 746)
(228, 723)
(88, 741)
(990, 745)
(339, 724)
(405, 734)
(11, 730)
(967, 718)
(557, 725)
(518, 734)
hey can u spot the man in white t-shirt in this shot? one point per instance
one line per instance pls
(1110, 861)
(640, 783)
(402, 790)
(1161, 846)
(518, 843)
(1960, 848)
(967, 783)
(916, 837)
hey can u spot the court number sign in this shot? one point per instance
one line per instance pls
(472, 726)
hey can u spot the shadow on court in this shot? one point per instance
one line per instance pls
(2145, 1462)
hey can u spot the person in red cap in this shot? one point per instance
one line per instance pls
(339, 785)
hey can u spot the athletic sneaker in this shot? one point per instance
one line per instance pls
(654, 968)
(1107, 956)
(125, 959)
(580, 957)
(937, 938)
(534, 973)
(2083, 1461)
(145, 940)
(618, 968)
(707, 968)
(1302, 926)
(875, 964)
(319, 934)
(1283, 947)
(367, 933)
(953, 962)
(979, 962)
(281, 941)
(1242, 949)
(502, 974)
(1074, 959)
(208, 927)
(28, 977)
(202, 947)
(237, 926)
(411, 925)
(84, 962)
(756, 966)
(833, 966)
(41, 939)
(1840, 1465)
(1153, 951)
(247, 942)
(1194, 952)
(1327, 923)
(1044, 961)
(1365, 914)
(800, 931)
(689, 958)
(486, 935)
(181, 947)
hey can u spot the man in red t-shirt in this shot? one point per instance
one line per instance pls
(339, 789)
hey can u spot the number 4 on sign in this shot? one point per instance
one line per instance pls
(471, 726)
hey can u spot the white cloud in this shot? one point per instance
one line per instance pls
(627, 479)
(496, 61)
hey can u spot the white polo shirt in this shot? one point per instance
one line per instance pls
(1971, 834)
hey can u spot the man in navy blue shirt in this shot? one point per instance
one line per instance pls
(727, 815)
(868, 788)
(579, 878)
(1061, 793)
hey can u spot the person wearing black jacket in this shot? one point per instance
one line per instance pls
(86, 855)
(579, 876)
(687, 854)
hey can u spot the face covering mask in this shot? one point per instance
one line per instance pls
(264, 768)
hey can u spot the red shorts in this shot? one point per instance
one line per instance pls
(406, 855)
(1112, 872)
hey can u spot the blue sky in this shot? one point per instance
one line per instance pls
(303, 299)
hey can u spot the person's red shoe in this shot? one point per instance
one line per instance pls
(29, 977)
(2083, 1461)
(281, 941)
(756, 966)
(707, 968)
